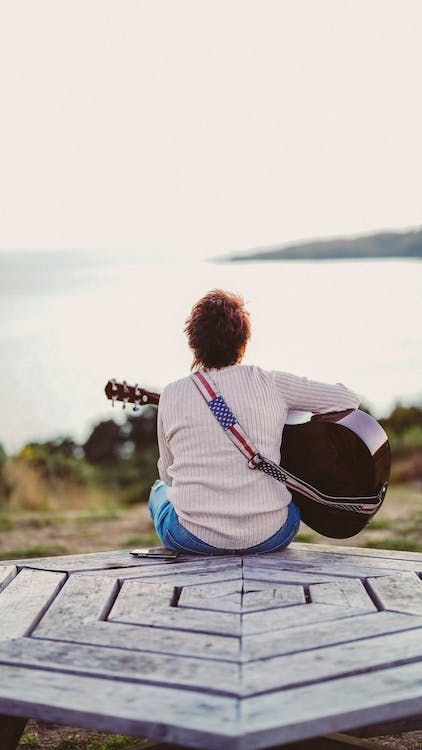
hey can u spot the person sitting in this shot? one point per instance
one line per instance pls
(207, 501)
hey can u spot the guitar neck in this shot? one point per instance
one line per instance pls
(130, 394)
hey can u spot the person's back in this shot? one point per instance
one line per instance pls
(207, 499)
(214, 493)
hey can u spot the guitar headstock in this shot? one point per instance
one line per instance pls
(130, 394)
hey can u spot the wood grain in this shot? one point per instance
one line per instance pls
(401, 592)
(24, 601)
(81, 600)
(346, 593)
(315, 635)
(7, 574)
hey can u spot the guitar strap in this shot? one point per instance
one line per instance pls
(256, 460)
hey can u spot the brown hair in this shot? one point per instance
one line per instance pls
(218, 329)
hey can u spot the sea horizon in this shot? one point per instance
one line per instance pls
(69, 324)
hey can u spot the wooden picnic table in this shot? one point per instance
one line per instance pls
(237, 652)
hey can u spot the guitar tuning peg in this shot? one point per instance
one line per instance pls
(136, 406)
(136, 387)
(114, 386)
(124, 403)
(144, 398)
(125, 388)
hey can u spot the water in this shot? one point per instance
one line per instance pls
(69, 322)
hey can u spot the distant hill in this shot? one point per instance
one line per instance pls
(381, 245)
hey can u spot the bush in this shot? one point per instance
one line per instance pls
(4, 486)
(58, 459)
(401, 419)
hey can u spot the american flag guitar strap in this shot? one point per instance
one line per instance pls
(242, 442)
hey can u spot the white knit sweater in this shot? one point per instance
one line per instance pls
(216, 496)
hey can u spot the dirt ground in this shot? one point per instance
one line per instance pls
(398, 525)
(43, 736)
(76, 532)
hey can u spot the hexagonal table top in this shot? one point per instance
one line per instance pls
(215, 652)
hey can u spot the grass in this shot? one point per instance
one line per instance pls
(305, 536)
(398, 525)
(394, 543)
(74, 743)
(379, 524)
(30, 741)
(6, 523)
(102, 514)
(67, 739)
(42, 550)
(148, 539)
(39, 520)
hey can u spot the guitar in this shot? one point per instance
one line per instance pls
(343, 454)
(130, 394)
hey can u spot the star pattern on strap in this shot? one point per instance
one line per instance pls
(273, 471)
(222, 412)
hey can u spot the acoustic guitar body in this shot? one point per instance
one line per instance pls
(344, 454)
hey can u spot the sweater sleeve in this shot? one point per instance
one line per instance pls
(166, 456)
(312, 395)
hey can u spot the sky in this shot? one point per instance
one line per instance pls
(196, 128)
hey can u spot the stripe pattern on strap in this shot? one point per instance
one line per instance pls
(242, 442)
(223, 415)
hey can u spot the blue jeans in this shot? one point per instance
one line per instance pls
(174, 536)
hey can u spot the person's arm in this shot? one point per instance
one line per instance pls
(166, 456)
(312, 395)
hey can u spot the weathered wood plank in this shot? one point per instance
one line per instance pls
(312, 635)
(217, 677)
(7, 574)
(198, 579)
(316, 666)
(289, 617)
(320, 570)
(335, 741)
(120, 559)
(347, 593)
(223, 597)
(334, 706)
(25, 599)
(312, 555)
(201, 578)
(280, 575)
(143, 603)
(89, 561)
(158, 640)
(208, 566)
(11, 730)
(345, 570)
(80, 601)
(112, 557)
(401, 592)
(175, 716)
(259, 600)
(358, 551)
(253, 599)
(211, 590)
